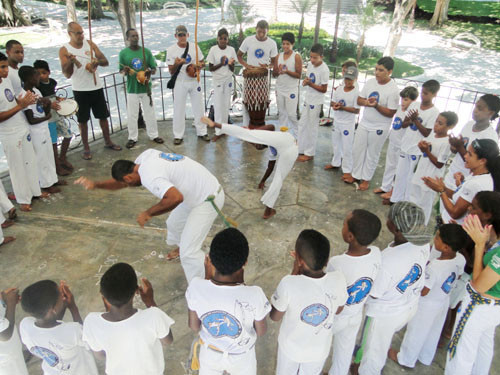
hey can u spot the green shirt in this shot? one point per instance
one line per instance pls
(492, 259)
(133, 59)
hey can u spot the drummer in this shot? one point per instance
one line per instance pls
(261, 51)
(87, 85)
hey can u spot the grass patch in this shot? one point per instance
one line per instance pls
(25, 38)
(465, 8)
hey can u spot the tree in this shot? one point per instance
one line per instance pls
(71, 11)
(221, 11)
(125, 13)
(440, 15)
(96, 12)
(367, 17)
(11, 15)
(302, 7)
(401, 10)
(240, 14)
(333, 51)
(319, 9)
(274, 17)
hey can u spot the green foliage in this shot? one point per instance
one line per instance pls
(25, 38)
(303, 6)
(465, 8)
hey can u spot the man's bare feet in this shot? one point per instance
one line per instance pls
(66, 164)
(268, 212)
(387, 195)
(25, 207)
(61, 183)
(261, 185)
(393, 354)
(329, 166)
(303, 158)
(6, 240)
(7, 223)
(364, 185)
(378, 191)
(12, 214)
(52, 190)
(215, 138)
(387, 202)
(347, 178)
(62, 171)
(172, 255)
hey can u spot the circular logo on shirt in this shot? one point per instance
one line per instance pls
(311, 106)
(274, 152)
(314, 314)
(312, 77)
(226, 61)
(342, 102)
(199, 88)
(292, 96)
(413, 126)
(230, 84)
(380, 132)
(39, 107)
(413, 157)
(411, 278)
(397, 123)
(136, 63)
(425, 153)
(284, 68)
(9, 95)
(47, 355)
(170, 156)
(448, 283)
(346, 132)
(375, 95)
(359, 290)
(259, 53)
(188, 58)
(221, 324)
(28, 137)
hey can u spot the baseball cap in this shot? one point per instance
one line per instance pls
(351, 73)
(181, 29)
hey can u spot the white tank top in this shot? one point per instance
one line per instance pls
(82, 79)
(286, 84)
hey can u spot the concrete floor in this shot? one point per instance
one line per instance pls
(76, 235)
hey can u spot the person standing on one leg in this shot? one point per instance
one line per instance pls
(89, 94)
(380, 96)
(184, 187)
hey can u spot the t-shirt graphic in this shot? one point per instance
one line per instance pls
(448, 283)
(374, 94)
(315, 314)
(220, 324)
(359, 290)
(49, 357)
(411, 278)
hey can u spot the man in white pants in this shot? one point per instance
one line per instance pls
(131, 63)
(185, 85)
(184, 187)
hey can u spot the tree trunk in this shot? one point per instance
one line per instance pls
(96, 12)
(125, 13)
(274, 17)
(359, 47)
(440, 13)
(401, 10)
(301, 28)
(10, 15)
(221, 11)
(319, 8)
(241, 36)
(71, 11)
(411, 22)
(333, 52)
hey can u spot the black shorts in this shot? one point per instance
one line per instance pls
(91, 99)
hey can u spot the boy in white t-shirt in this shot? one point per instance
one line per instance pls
(408, 96)
(59, 344)
(221, 59)
(345, 107)
(435, 153)
(228, 314)
(308, 301)
(11, 349)
(359, 265)
(287, 83)
(316, 85)
(424, 330)
(418, 123)
(130, 338)
(394, 296)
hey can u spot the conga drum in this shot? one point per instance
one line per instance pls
(256, 95)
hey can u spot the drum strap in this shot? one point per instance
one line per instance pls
(173, 78)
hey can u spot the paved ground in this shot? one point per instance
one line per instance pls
(77, 235)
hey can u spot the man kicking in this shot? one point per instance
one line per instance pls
(283, 149)
(184, 187)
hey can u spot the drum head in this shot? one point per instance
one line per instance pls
(68, 107)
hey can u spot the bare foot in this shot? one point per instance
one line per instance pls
(261, 185)
(215, 138)
(378, 191)
(12, 213)
(7, 223)
(66, 164)
(303, 158)
(25, 207)
(61, 183)
(52, 190)
(365, 185)
(348, 179)
(268, 212)
(387, 195)
(172, 255)
(393, 354)
(6, 240)
(62, 171)
(387, 202)
(329, 166)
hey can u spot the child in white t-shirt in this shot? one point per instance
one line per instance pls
(394, 296)
(221, 59)
(308, 301)
(424, 330)
(435, 153)
(316, 84)
(130, 338)
(418, 123)
(359, 265)
(228, 314)
(59, 344)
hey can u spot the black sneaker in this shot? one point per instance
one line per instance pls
(130, 143)
(177, 141)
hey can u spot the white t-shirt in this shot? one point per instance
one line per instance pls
(287, 85)
(348, 99)
(61, 348)
(310, 306)
(17, 123)
(387, 96)
(175, 51)
(82, 79)
(319, 75)
(11, 351)
(160, 171)
(427, 117)
(215, 55)
(399, 281)
(467, 191)
(360, 273)
(132, 345)
(397, 131)
(227, 313)
(458, 163)
(38, 112)
(440, 278)
(259, 52)
(440, 148)
(16, 80)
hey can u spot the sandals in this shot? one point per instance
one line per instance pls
(86, 155)
(113, 147)
(158, 140)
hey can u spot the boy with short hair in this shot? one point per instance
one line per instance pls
(228, 314)
(308, 301)
(221, 59)
(59, 344)
(359, 265)
(380, 96)
(424, 330)
(131, 338)
(436, 151)
(419, 123)
(316, 84)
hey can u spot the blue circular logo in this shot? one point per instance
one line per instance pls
(170, 156)
(312, 77)
(342, 102)
(413, 157)
(346, 132)
(292, 96)
(136, 63)
(379, 132)
(259, 53)
(314, 314)
(448, 283)
(425, 153)
(221, 324)
(397, 123)
(39, 107)
(188, 58)
(47, 355)
(9, 95)
(226, 61)
(28, 137)
(230, 84)
(375, 95)
(274, 152)
(411, 278)
(359, 290)
(199, 88)
(311, 106)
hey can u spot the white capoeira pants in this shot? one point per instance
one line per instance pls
(134, 101)
(23, 167)
(187, 227)
(423, 197)
(404, 173)
(475, 347)
(5, 203)
(367, 147)
(342, 141)
(181, 90)
(391, 163)
(308, 129)
(287, 366)
(423, 333)
(287, 111)
(345, 331)
(222, 100)
(379, 338)
(217, 363)
(285, 145)
(42, 144)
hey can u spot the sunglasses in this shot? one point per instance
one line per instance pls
(77, 32)
(180, 35)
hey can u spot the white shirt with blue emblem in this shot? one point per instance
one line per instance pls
(319, 75)
(409, 144)
(214, 57)
(175, 51)
(387, 96)
(310, 306)
(17, 123)
(227, 313)
(285, 84)
(399, 281)
(397, 131)
(160, 171)
(259, 52)
(38, 112)
(347, 99)
(360, 273)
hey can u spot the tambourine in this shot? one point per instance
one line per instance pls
(67, 108)
(191, 70)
